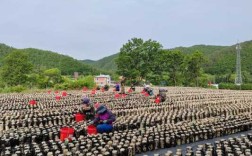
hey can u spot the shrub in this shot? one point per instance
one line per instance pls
(2, 84)
(63, 86)
(16, 89)
(211, 87)
(87, 81)
(226, 86)
(246, 86)
(235, 87)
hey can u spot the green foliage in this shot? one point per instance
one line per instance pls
(230, 77)
(114, 76)
(47, 72)
(42, 60)
(172, 62)
(224, 61)
(157, 79)
(87, 81)
(139, 60)
(106, 63)
(13, 89)
(18, 88)
(53, 76)
(63, 86)
(42, 81)
(32, 80)
(2, 84)
(15, 68)
(220, 61)
(136, 58)
(246, 86)
(229, 86)
(246, 77)
(67, 65)
(4, 50)
(211, 87)
(46, 79)
(235, 87)
(194, 68)
(204, 79)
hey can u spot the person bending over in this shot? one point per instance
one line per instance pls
(88, 109)
(104, 119)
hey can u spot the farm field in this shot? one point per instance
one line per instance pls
(191, 121)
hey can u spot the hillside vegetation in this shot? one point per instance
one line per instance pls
(42, 59)
(172, 66)
(106, 63)
(219, 60)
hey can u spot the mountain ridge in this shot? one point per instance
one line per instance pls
(221, 59)
(45, 59)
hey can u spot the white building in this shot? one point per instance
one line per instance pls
(102, 80)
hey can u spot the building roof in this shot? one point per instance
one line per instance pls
(107, 76)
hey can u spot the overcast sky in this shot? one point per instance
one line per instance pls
(92, 29)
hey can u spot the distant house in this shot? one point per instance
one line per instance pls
(102, 80)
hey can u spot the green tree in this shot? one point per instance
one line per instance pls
(15, 68)
(159, 72)
(204, 79)
(32, 80)
(136, 58)
(53, 76)
(67, 65)
(150, 51)
(246, 77)
(194, 68)
(167, 66)
(42, 81)
(174, 66)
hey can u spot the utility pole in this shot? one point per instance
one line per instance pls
(238, 79)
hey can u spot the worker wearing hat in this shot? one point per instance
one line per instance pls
(104, 119)
(88, 108)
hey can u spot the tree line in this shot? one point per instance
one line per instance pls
(138, 60)
(218, 66)
(18, 73)
(42, 60)
(34, 68)
(141, 60)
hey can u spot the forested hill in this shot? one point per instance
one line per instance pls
(42, 59)
(106, 63)
(220, 59)
(207, 50)
(4, 49)
(224, 60)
